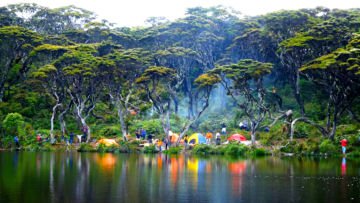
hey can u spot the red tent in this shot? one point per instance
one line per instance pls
(237, 137)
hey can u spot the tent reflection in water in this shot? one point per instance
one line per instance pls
(197, 138)
(107, 161)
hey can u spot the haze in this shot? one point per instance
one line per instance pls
(135, 12)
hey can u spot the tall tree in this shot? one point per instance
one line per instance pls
(338, 73)
(16, 43)
(119, 74)
(244, 83)
(158, 82)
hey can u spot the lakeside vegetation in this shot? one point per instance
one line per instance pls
(293, 76)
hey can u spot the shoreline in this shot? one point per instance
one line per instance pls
(210, 150)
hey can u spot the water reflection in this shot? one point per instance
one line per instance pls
(92, 177)
(343, 166)
(106, 161)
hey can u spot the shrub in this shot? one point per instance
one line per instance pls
(104, 148)
(13, 124)
(354, 140)
(327, 146)
(85, 147)
(152, 126)
(354, 154)
(125, 147)
(173, 150)
(109, 131)
(202, 149)
(43, 147)
(288, 147)
(7, 142)
(259, 152)
(234, 149)
(150, 149)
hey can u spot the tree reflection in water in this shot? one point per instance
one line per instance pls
(93, 177)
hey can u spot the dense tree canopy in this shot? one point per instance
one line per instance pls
(64, 62)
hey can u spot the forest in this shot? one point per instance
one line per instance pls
(292, 75)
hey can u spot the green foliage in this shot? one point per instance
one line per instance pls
(103, 148)
(328, 147)
(109, 131)
(152, 126)
(85, 147)
(202, 149)
(64, 49)
(354, 154)
(150, 149)
(207, 80)
(288, 147)
(234, 149)
(6, 142)
(257, 152)
(13, 124)
(173, 150)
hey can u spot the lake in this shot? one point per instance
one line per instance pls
(94, 177)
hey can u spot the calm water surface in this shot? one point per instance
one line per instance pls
(93, 177)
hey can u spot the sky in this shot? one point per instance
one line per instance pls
(135, 12)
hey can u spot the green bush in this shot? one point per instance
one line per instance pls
(14, 124)
(85, 147)
(347, 129)
(150, 149)
(125, 147)
(104, 148)
(354, 154)
(173, 150)
(202, 149)
(327, 146)
(259, 152)
(7, 142)
(35, 147)
(234, 149)
(354, 140)
(288, 147)
(152, 126)
(109, 131)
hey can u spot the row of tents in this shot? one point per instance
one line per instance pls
(196, 138)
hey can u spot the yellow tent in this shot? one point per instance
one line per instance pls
(108, 142)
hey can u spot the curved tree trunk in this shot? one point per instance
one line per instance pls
(62, 120)
(297, 95)
(122, 120)
(52, 121)
(323, 131)
(253, 133)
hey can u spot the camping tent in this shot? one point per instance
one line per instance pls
(237, 137)
(197, 138)
(108, 142)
